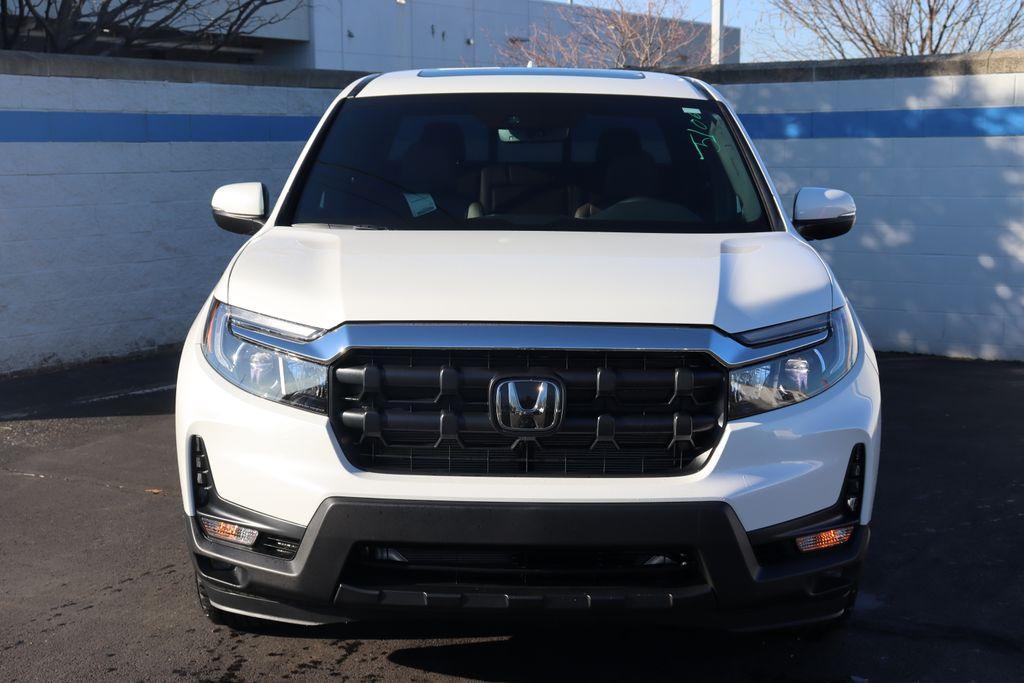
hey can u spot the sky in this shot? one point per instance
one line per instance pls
(762, 30)
(756, 19)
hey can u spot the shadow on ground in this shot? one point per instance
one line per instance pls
(137, 386)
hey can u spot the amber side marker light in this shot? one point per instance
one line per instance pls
(824, 539)
(226, 531)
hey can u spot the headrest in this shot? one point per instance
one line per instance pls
(631, 175)
(617, 142)
(448, 134)
(431, 163)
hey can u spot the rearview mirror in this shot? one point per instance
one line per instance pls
(240, 208)
(820, 213)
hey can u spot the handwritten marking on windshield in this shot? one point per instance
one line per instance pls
(700, 134)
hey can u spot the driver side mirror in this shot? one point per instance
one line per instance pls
(820, 213)
(241, 208)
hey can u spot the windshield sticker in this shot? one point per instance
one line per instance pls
(700, 134)
(420, 204)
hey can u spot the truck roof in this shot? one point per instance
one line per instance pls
(531, 79)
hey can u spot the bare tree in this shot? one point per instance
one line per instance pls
(651, 34)
(12, 20)
(123, 26)
(891, 28)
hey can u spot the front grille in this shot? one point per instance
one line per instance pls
(625, 413)
(384, 565)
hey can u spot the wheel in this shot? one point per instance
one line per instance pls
(237, 622)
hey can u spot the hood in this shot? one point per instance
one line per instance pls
(324, 277)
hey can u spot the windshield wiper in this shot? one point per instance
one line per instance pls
(341, 226)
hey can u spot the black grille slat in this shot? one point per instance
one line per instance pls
(625, 414)
(396, 375)
(478, 422)
(405, 565)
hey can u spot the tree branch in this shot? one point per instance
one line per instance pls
(886, 28)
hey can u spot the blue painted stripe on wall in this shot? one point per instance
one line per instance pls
(901, 123)
(59, 126)
(51, 126)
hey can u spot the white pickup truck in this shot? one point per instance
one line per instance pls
(521, 342)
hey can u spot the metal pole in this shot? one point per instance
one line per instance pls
(717, 19)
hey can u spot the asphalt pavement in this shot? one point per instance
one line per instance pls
(95, 580)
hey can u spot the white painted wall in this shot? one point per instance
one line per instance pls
(109, 248)
(935, 263)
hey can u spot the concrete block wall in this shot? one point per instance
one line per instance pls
(107, 165)
(935, 163)
(107, 246)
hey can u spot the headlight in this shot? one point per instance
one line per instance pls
(797, 376)
(260, 370)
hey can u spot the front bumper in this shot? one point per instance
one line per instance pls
(771, 477)
(732, 589)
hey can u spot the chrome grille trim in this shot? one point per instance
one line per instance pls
(527, 336)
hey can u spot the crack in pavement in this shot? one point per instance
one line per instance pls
(148, 490)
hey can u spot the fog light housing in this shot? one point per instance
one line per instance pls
(824, 539)
(853, 485)
(220, 530)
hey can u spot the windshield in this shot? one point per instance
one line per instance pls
(530, 162)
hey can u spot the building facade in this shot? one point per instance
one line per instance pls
(385, 35)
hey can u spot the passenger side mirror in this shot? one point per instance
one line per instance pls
(820, 213)
(241, 208)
